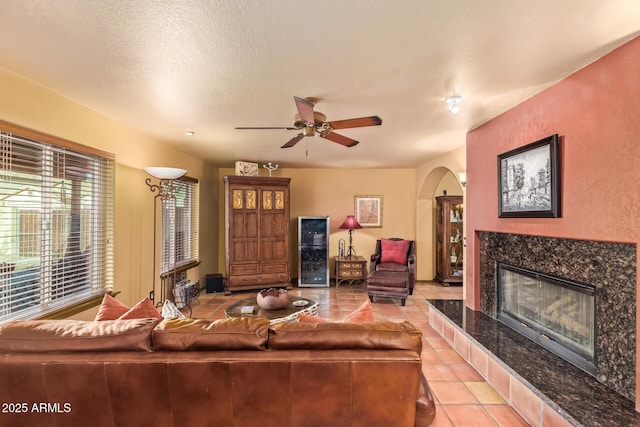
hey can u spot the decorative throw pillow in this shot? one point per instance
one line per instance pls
(110, 308)
(170, 310)
(142, 310)
(362, 314)
(394, 251)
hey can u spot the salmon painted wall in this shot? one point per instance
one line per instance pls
(596, 113)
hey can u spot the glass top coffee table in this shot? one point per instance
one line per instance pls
(250, 308)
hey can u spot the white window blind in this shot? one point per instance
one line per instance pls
(179, 224)
(56, 224)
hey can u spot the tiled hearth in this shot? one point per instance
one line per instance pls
(543, 388)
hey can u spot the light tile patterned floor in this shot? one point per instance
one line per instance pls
(463, 397)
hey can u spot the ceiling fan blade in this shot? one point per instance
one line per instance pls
(262, 128)
(355, 123)
(305, 109)
(293, 141)
(340, 139)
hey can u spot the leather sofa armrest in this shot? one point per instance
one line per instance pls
(425, 406)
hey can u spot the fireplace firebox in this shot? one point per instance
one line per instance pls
(557, 314)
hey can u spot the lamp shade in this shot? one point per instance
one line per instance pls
(165, 173)
(350, 223)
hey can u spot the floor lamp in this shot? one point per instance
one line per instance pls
(350, 223)
(164, 190)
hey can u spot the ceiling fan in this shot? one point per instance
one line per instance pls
(311, 122)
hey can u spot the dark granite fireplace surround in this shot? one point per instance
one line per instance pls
(609, 267)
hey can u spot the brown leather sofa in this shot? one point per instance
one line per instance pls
(232, 372)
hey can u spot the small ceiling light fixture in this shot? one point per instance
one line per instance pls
(190, 133)
(453, 102)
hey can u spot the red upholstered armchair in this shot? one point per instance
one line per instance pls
(397, 255)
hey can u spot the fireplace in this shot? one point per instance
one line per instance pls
(609, 268)
(557, 314)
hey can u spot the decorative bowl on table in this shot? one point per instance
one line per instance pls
(272, 298)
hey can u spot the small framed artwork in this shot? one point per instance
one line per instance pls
(246, 169)
(369, 210)
(528, 181)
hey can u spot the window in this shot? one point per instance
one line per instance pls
(179, 224)
(56, 223)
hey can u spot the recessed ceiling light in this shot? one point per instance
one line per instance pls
(453, 102)
(190, 132)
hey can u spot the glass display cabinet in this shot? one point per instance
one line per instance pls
(449, 239)
(313, 251)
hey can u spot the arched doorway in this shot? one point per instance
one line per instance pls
(436, 182)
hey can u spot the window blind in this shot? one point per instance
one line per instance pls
(179, 224)
(56, 224)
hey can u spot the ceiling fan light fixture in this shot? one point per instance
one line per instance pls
(309, 122)
(452, 103)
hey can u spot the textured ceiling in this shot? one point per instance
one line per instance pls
(167, 66)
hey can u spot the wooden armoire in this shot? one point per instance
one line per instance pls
(256, 232)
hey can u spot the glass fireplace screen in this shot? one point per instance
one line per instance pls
(559, 310)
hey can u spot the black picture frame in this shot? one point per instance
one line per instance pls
(528, 181)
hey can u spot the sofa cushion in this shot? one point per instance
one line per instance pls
(143, 309)
(76, 335)
(110, 308)
(362, 314)
(394, 251)
(391, 266)
(335, 336)
(238, 333)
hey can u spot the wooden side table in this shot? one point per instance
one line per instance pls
(351, 270)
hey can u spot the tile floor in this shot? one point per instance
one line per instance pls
(462, 396)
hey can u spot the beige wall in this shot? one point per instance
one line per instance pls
(331, 192)
(30, 105)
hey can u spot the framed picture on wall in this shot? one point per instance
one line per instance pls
(369, 210)
(528, 181)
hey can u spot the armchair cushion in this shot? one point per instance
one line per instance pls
(392, 266)
(394, 251)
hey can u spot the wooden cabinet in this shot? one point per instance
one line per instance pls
(313, 251)
(350, 270)
(449, 239)
(256, 232)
